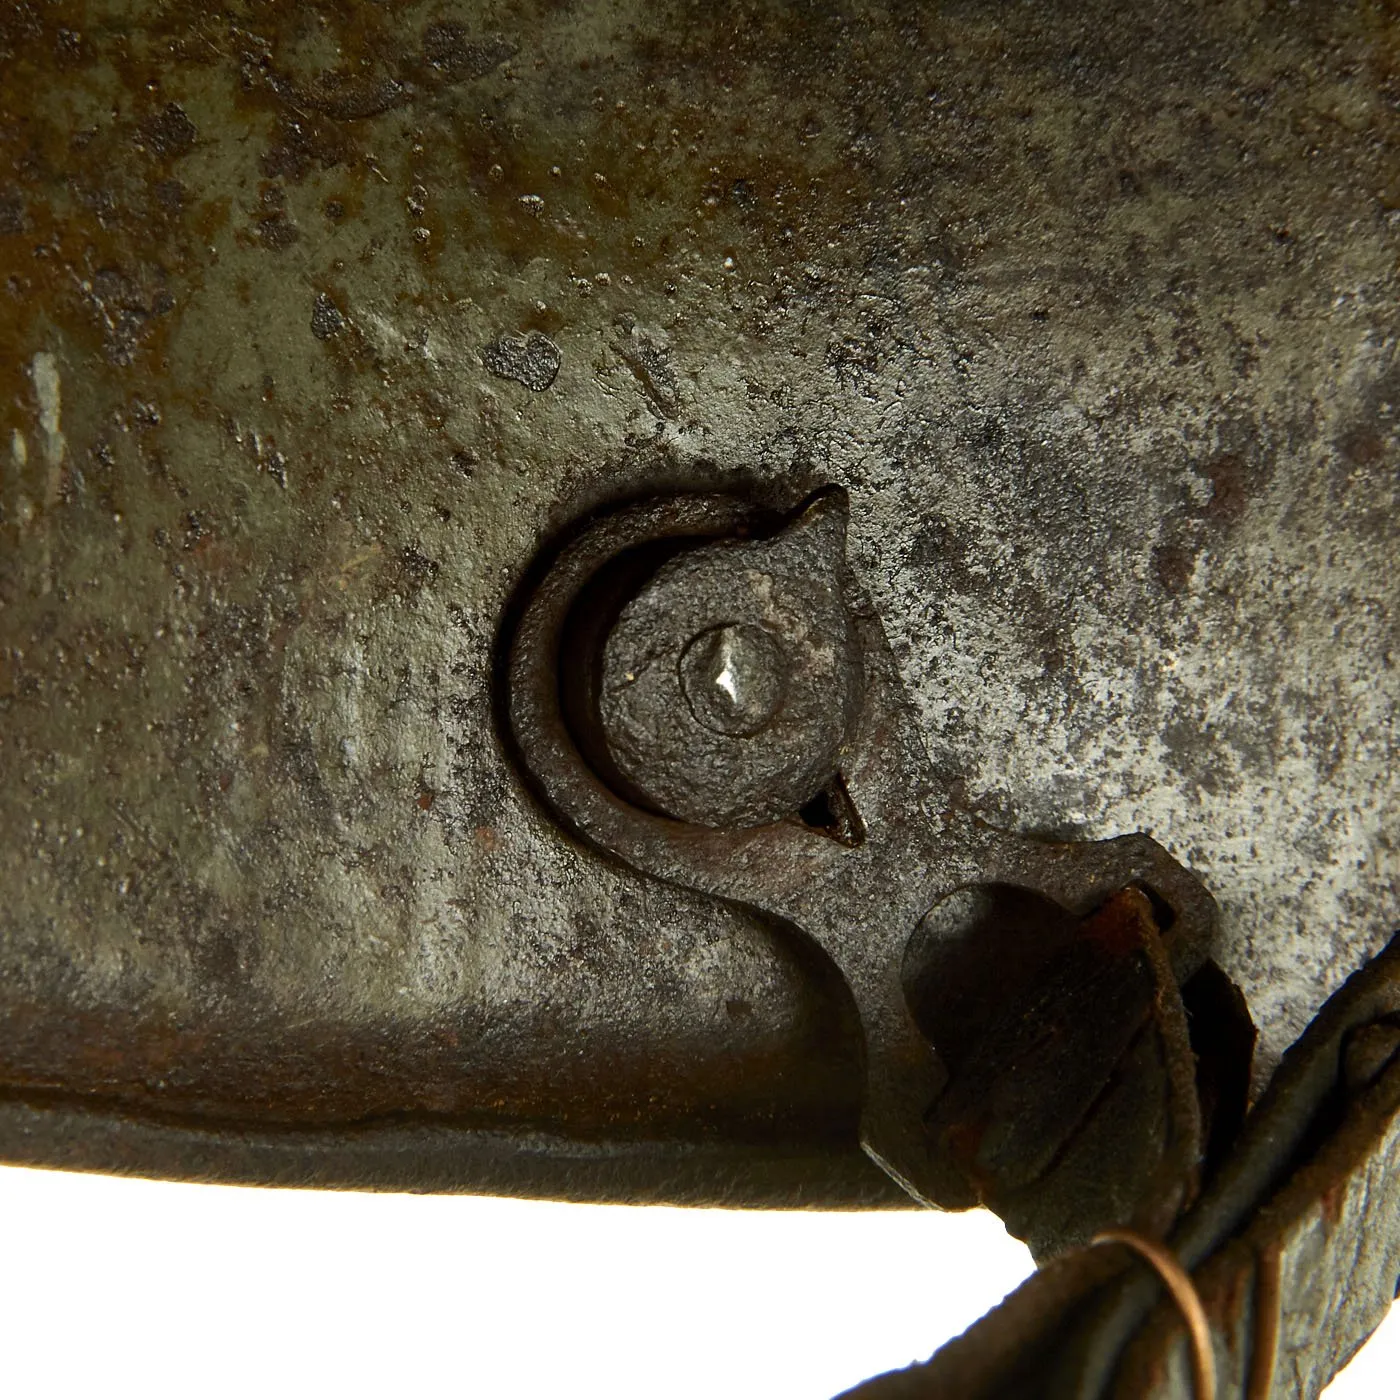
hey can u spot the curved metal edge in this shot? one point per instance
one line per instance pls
(424, 1156)
(530, 704)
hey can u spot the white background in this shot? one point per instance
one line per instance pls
(112, 1288)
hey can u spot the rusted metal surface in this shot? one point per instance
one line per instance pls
(827, 816)
(317, 321)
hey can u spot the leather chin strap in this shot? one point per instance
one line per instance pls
(1293, 1248)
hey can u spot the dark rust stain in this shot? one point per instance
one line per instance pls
(168, 135)
(1363, 447)
(1173, 566)
(1229, 479)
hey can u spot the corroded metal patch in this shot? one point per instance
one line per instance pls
(1091, 307)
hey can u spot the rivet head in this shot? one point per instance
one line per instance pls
(732, 678)
(728, 683)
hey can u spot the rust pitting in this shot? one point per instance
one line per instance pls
(890, 320)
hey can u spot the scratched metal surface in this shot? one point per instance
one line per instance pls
(316, 320)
